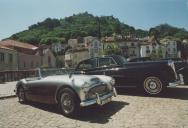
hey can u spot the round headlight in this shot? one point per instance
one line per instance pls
(112, 81)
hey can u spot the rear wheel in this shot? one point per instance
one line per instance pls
(21, 95)
(69, 103)
(153, 85)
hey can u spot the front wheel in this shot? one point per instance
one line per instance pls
(153, 86)
(69, 103)
(21, 95)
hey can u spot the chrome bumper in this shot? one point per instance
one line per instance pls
(176, 83)
(100, 100)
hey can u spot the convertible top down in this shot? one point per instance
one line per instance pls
(70, 91)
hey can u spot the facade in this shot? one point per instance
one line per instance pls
(48, 59)
(73, 43)
(27, 61)
(129, 48)
(94, 46)
(171, 49)
(30, 56)
(147, 50)
(73, 57)
(8, 59)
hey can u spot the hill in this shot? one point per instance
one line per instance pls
(166, 30)
(80, 25)
(85, 24)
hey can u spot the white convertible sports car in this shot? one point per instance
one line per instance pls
(70, 91)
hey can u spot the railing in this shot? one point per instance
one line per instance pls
(6, 76)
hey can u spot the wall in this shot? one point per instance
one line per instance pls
(7, 65)
(29, 61)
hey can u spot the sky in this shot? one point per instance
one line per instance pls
(17, 15)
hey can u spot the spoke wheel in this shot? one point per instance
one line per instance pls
(21, 95)
(69, 103)
(153, 85)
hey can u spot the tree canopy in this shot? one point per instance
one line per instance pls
(85, 24)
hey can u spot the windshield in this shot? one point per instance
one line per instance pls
(121, 59)
(52, 72)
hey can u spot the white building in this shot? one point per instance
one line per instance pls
(171, 48)
(95, 48)
(130, 49)
(73, 43)
(147, 49)
(73, 57)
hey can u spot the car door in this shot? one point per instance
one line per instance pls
(41, 91)
(122, 75)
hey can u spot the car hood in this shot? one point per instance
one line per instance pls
(73, 79)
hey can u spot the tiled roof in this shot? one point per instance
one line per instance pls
(12, 43)
(3, 47)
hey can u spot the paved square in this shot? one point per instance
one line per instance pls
(129, 110)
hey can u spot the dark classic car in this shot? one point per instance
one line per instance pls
(69, 91)
(152, 76)
(181, 66)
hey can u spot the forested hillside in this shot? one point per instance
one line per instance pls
(85, 24)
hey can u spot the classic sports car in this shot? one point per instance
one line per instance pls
(152, 76)
(70, 92)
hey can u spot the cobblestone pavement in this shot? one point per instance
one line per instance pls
(129, 110)
(7, 89)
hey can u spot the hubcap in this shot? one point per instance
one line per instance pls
(152, 85)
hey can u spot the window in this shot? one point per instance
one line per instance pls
(133, 53)
(88, 64)
(104, 62)
(10, 58)
(2, 57)
(147, 49)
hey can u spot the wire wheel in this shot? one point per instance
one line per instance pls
(67, 103)
(21, 95)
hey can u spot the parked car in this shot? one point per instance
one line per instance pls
(69, 91)
(152, 76)
(181, 66)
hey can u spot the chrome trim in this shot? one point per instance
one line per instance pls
(174, 84)
(99, 99)
(181, 79)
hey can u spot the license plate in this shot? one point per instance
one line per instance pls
(106, 101)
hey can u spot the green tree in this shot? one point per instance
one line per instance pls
(112, 49)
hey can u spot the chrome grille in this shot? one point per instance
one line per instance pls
(101, 90)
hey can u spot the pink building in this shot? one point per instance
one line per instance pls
(30, 56)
